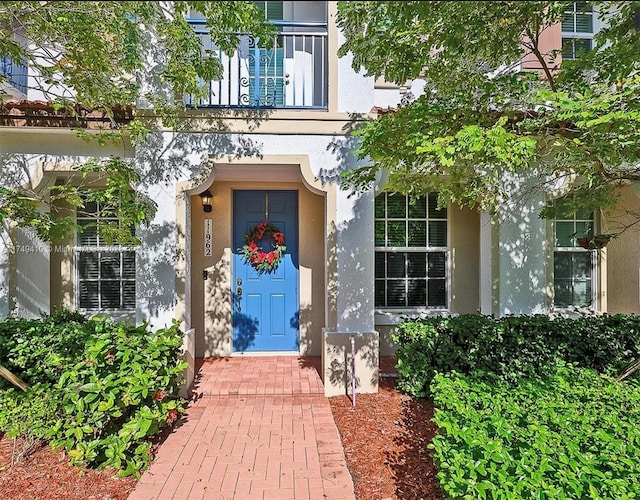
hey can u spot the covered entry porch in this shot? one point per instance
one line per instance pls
(318, 278)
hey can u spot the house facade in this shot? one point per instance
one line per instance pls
(268, 144)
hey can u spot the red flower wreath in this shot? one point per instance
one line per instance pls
(263, 262)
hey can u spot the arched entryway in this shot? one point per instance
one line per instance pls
(280, 313)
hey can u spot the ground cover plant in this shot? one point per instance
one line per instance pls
(98, 388)
(527, 407)
(570, 435)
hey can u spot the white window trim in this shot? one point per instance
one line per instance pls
(394, 315)
(595, 281)
(77, 249)
(596, 25)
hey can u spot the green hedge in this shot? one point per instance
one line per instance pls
(98, 388)
(571, 435)
(511, 347)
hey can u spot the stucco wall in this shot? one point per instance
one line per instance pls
(622, 256)
(353, 251)
(31, 289)
(5, 260)
(156, 258)
(465, 261)
(62, 282)
(521, 256)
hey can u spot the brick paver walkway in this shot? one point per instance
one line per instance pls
(257, 428)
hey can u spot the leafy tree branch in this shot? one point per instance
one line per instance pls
(101, 55)
(483, 118)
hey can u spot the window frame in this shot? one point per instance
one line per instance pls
(100, 249)
(575, 249)
(394, 312)
(570, 36)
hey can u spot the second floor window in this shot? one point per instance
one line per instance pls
(411, 263)
(577, 30)
(573, 266)
(273, 10)
(105, 274)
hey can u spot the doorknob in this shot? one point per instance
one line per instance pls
(239, 291)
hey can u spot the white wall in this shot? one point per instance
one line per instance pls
(155, 261)
(5, 251)
(522, 256)
(355, 257)
(355, 91)
(390, 97)
(32, 285)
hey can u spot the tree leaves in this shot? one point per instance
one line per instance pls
(101, 55)
(482, 117)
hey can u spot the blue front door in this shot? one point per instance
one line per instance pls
(265, 305)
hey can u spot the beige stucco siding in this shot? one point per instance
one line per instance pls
(623, 257)
(62, 265)
(465, 261)
(211, 298)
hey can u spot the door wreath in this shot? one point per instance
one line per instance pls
(261, 261)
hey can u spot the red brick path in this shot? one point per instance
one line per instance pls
(257, 428)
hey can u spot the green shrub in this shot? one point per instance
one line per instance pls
(115, 386)
(511, 347)
(571, 435)
(40, 349)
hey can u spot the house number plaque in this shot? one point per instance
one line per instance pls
(207, 238)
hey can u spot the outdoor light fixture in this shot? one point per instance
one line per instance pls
(206, 200)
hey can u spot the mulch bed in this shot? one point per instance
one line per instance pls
(385, 440)
(46, 475)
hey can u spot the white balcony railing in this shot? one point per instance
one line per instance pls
(292, 74)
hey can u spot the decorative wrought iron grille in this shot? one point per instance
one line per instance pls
(291, 74)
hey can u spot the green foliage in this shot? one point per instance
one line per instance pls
(40, 350)
(99, 53)
(24, 208)
(27, 413)
(100, 389)
(511, 347)
(571, 435)
(103, 45)
(482, 120)
(117, 198)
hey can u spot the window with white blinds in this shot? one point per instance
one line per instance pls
(105, 275)
(577, 30)
(411, 252)
(573, 266)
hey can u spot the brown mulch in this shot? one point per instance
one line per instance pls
(385, 440)
(46, 475)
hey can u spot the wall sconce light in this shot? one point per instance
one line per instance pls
(206, 200)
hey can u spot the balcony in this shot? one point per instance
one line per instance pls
(291, 75)
(15, 72)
